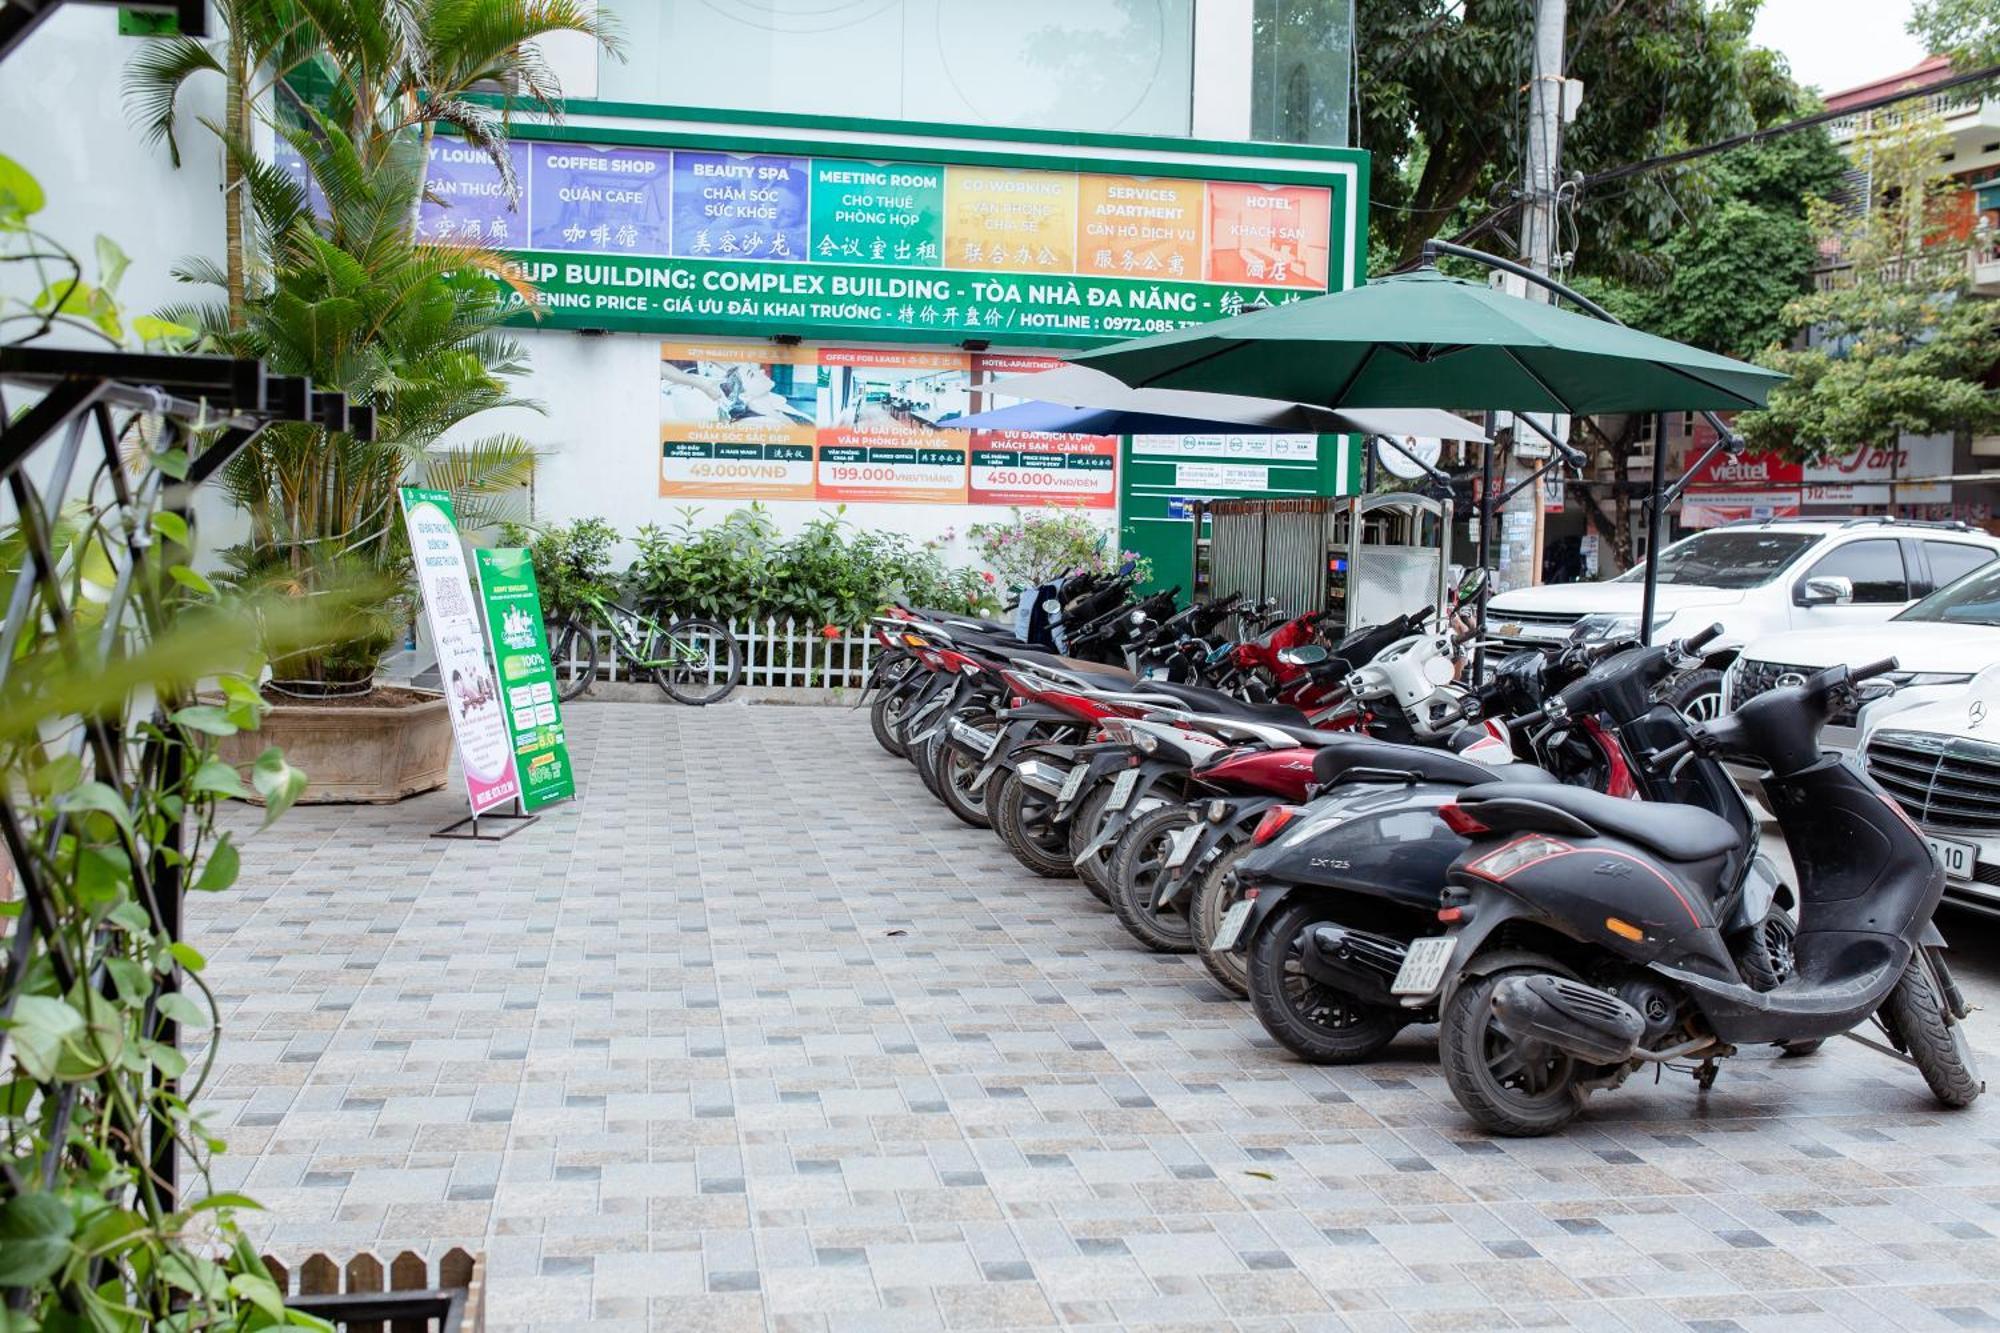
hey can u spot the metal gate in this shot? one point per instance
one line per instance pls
(1269, 549)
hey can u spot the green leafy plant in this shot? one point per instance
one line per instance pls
(111, 780)
(411, 329)
(1036, 545)
(1898, 345)
(569, 559)
(383, 73)
(830, 573)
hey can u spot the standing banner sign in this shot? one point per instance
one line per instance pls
(527, 681)
(471, 693)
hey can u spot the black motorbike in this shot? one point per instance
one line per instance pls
(1334, 907)
(1591, 937)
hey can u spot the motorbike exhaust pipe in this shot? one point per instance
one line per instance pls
(1570, 1016)
(1355, 962)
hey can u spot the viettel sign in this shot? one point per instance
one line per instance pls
(1749, 471)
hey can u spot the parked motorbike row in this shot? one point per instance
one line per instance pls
(1554, 867)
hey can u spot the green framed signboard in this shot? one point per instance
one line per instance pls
(664, 222)
(1164, 475)
(527, 681)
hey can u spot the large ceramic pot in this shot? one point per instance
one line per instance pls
(367, 752)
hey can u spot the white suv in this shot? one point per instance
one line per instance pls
(1756, 579)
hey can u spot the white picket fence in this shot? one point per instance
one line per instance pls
(777, 652)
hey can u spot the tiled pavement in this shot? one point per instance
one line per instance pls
(757, 1036)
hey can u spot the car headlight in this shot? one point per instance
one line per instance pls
(1881, 687)
(1605, 626)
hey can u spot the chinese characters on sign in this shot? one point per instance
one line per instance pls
(681, 238)
(753, 421)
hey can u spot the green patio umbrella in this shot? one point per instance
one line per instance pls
(1422, 339)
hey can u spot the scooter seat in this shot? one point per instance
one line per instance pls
(1201, 699)
(1096, 674)
(1676, 832)
(1343, 752)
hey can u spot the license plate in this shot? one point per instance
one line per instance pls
(1423, 966)
(1183, 846)
(1232, 926)
(982, 741)
(1121, 789)
(1072, 784)
(1957, 858)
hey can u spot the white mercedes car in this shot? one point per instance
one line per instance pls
(1930, 735)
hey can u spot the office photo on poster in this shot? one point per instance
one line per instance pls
(737, 420)
(885, 425)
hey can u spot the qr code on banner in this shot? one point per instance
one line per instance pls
(453, 599)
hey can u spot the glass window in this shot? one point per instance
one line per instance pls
(1874, 566)
(1972, 601)
(1952, 561)
(1300, 70)
(1727, 559)
(1108, 66)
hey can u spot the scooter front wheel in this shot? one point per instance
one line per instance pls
(1317, 1023)
(1139, 879)
(1215, 892)
(1093, 870)
(885, 719)
(954, 771)
(1918, 1014)
(1520, 1089)
(1026, 823)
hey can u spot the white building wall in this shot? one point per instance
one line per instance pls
(599, 434)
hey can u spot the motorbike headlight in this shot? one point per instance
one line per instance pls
(1146, 741)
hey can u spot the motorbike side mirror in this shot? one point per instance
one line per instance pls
(1138, 617)
(1826, 590)
(1306, 654)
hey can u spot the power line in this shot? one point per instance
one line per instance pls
(1789, 127)
(1490, 220)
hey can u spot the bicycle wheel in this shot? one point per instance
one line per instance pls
(700, 662)
(572, 657)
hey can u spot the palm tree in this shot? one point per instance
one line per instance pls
(357, 303)
(377, 71)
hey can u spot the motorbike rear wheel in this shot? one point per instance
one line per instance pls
(953, 772)
(1317, 1023)
(1921, 1019)
(1025, 823)
(1139, 875)
(1517, 1089)
(1215, 892)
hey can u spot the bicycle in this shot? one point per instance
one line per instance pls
(696, 662)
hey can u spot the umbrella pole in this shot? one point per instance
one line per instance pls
(1655, 511)
(1485, 544)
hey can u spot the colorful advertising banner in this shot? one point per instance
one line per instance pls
(1030, 467)
(661, 237)
(472, 693)
(527, 680)
(737, 420)
(885, 425)
(753, 421)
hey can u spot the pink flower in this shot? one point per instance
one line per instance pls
(829, 631)
(987, 574)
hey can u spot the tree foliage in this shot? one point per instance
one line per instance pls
(1443, 107)
(1966, 30)
(1896, 344)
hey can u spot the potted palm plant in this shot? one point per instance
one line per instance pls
(356, 303)
(325, 275)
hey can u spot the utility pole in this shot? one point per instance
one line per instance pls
(1521, 521)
